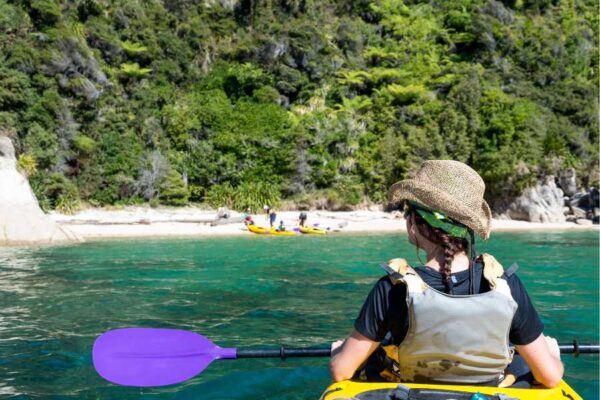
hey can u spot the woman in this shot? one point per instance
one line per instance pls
(451, 319)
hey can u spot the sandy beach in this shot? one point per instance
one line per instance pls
(134, 221)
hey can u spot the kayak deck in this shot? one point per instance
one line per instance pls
(382, 390)
(311, 230)
(269, 231)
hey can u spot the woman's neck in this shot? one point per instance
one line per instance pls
(435, 260)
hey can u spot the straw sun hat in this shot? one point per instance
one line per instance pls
(450, 187)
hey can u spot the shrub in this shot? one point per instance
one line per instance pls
(42, 145)
(45, 11)
(67, 204)
(172, 190)
(253, 195)
(345, 194)
(55, 191)
(26, 164)
(220, 195)
(84, 144)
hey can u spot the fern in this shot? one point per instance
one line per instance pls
(133, 48)
(133, 70)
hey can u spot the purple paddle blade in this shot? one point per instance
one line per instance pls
(154, 357)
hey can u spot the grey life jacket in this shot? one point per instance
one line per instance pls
(453, 338)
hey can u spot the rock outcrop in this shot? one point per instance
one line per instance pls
(21, 219)
(584, 205)
(541, 203)
(557, 200)
(567, 180)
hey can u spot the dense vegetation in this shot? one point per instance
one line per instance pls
(239, 102)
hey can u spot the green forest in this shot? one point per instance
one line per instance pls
(320, 103)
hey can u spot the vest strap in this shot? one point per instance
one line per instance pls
(398, 270)
(512, 269)
(493, 272)
(492, 269)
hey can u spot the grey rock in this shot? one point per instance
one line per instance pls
(576, 198)
(7, 153)
(21, 219)
(567, 180)
(541, 203)
(579, 212)
(223, 212)
(583, 221)
(586, 201)
(571, 218)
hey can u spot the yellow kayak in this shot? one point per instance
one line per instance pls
(381, 391)
(269, 231)
(311, 230)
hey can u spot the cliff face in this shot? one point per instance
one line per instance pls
(21, 219)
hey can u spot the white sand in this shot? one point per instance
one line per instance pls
(189, 221)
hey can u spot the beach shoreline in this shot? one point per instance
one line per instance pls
(186, 222)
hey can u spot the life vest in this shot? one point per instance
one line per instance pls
(452, 338)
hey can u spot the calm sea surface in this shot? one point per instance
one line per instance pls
(244, 291)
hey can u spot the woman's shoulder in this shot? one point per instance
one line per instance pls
(385, 288)
(385, 285)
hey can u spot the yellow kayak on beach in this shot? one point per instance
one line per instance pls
(412, 391)
(269, 231)
(311, 230)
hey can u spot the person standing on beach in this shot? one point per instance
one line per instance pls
(302, 219)
(271, 215)
(451, 319)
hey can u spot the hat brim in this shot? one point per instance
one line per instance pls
(410, 189)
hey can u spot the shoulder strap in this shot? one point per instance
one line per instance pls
(512, 269)
(493, 272)
(398, 270)
(492, 269)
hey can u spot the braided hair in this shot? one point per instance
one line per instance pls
(451, 245)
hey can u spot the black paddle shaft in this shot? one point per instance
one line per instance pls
(574, 348)
(577, 348)
(283, 353)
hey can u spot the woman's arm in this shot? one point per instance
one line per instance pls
(353, 352)
(543, 357)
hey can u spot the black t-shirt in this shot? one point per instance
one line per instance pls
(385, 310)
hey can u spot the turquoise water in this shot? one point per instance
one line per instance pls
(244, 291)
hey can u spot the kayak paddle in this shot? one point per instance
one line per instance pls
(158, 357)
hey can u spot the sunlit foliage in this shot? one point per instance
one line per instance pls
(326, 103)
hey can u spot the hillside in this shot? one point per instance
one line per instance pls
(242, 102)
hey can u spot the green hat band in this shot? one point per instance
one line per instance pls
(439, 220)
